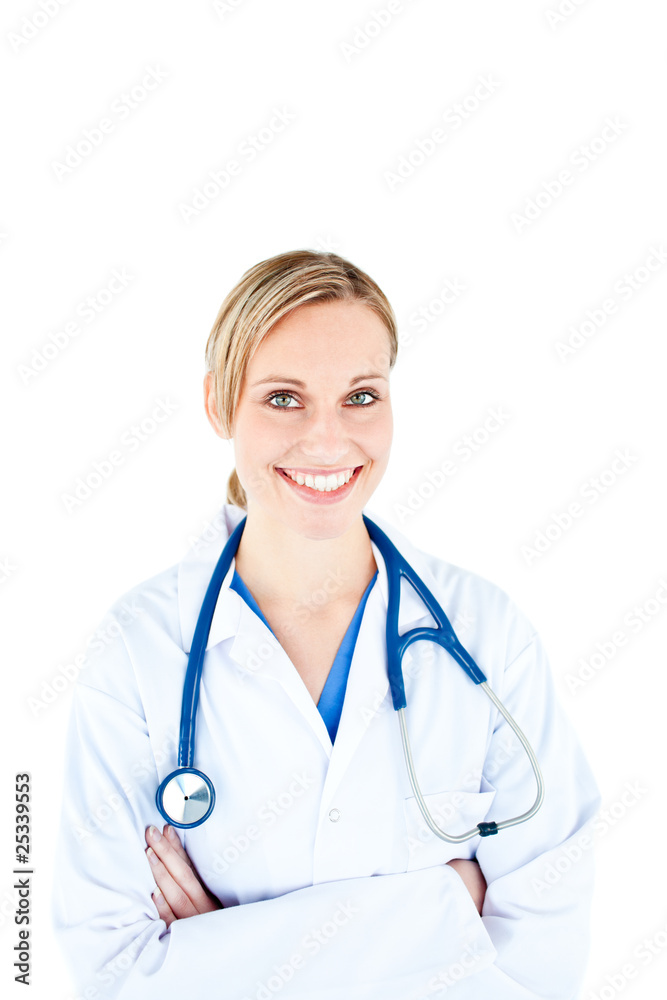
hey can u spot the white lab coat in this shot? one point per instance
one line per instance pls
(332, 885)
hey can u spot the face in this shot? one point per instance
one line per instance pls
(313, 428)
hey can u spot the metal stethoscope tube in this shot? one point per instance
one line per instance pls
(482, 829)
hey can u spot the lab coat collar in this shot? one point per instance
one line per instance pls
(194, 574)
(231, 612)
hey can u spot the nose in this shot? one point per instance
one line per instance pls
(324, 438)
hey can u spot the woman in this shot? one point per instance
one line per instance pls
(315, 875)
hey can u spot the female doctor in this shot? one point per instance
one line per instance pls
(315, 875)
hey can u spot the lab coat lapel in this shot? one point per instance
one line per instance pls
(256, 651)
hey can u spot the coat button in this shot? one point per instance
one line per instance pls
(334, 815)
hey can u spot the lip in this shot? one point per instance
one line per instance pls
(315, 496)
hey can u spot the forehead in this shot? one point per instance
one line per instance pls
(333, 336)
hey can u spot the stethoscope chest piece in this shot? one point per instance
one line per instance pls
(186, 797)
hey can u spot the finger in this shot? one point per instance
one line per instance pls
(200, 896)
(163, 908)
(172, 836)
(178, 900)
(179, 867)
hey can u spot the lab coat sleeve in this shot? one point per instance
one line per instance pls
(539, 873)
(376, 938)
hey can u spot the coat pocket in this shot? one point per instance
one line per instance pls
(455, 812)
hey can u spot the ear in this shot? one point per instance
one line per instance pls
(211, 407)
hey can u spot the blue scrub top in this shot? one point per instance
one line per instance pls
(331, 700)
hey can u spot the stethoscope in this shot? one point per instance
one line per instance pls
(186, 797)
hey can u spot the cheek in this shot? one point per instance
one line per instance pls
(253, 455)
(246, 439)
(252, 430)
(380, 438)
(259, 440)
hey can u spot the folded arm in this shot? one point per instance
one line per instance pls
(378, 936)
(180, 893)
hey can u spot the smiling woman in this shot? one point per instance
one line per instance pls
(313, 868)
(320, 419)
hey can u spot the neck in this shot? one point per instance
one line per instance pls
(281, 566)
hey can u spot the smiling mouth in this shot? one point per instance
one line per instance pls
(322, 483)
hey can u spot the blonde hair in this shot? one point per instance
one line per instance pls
(266, 293)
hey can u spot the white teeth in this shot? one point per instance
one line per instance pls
(323, 484)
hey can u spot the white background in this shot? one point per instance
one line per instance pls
(361, 98)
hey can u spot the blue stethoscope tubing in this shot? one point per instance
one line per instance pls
(186, 797)
(187, 784)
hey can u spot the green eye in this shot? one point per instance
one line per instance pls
(281, 395)
(365, 392)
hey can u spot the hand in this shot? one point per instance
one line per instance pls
(180, 892)
(474, 881)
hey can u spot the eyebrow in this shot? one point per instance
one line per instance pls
(302, 385)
